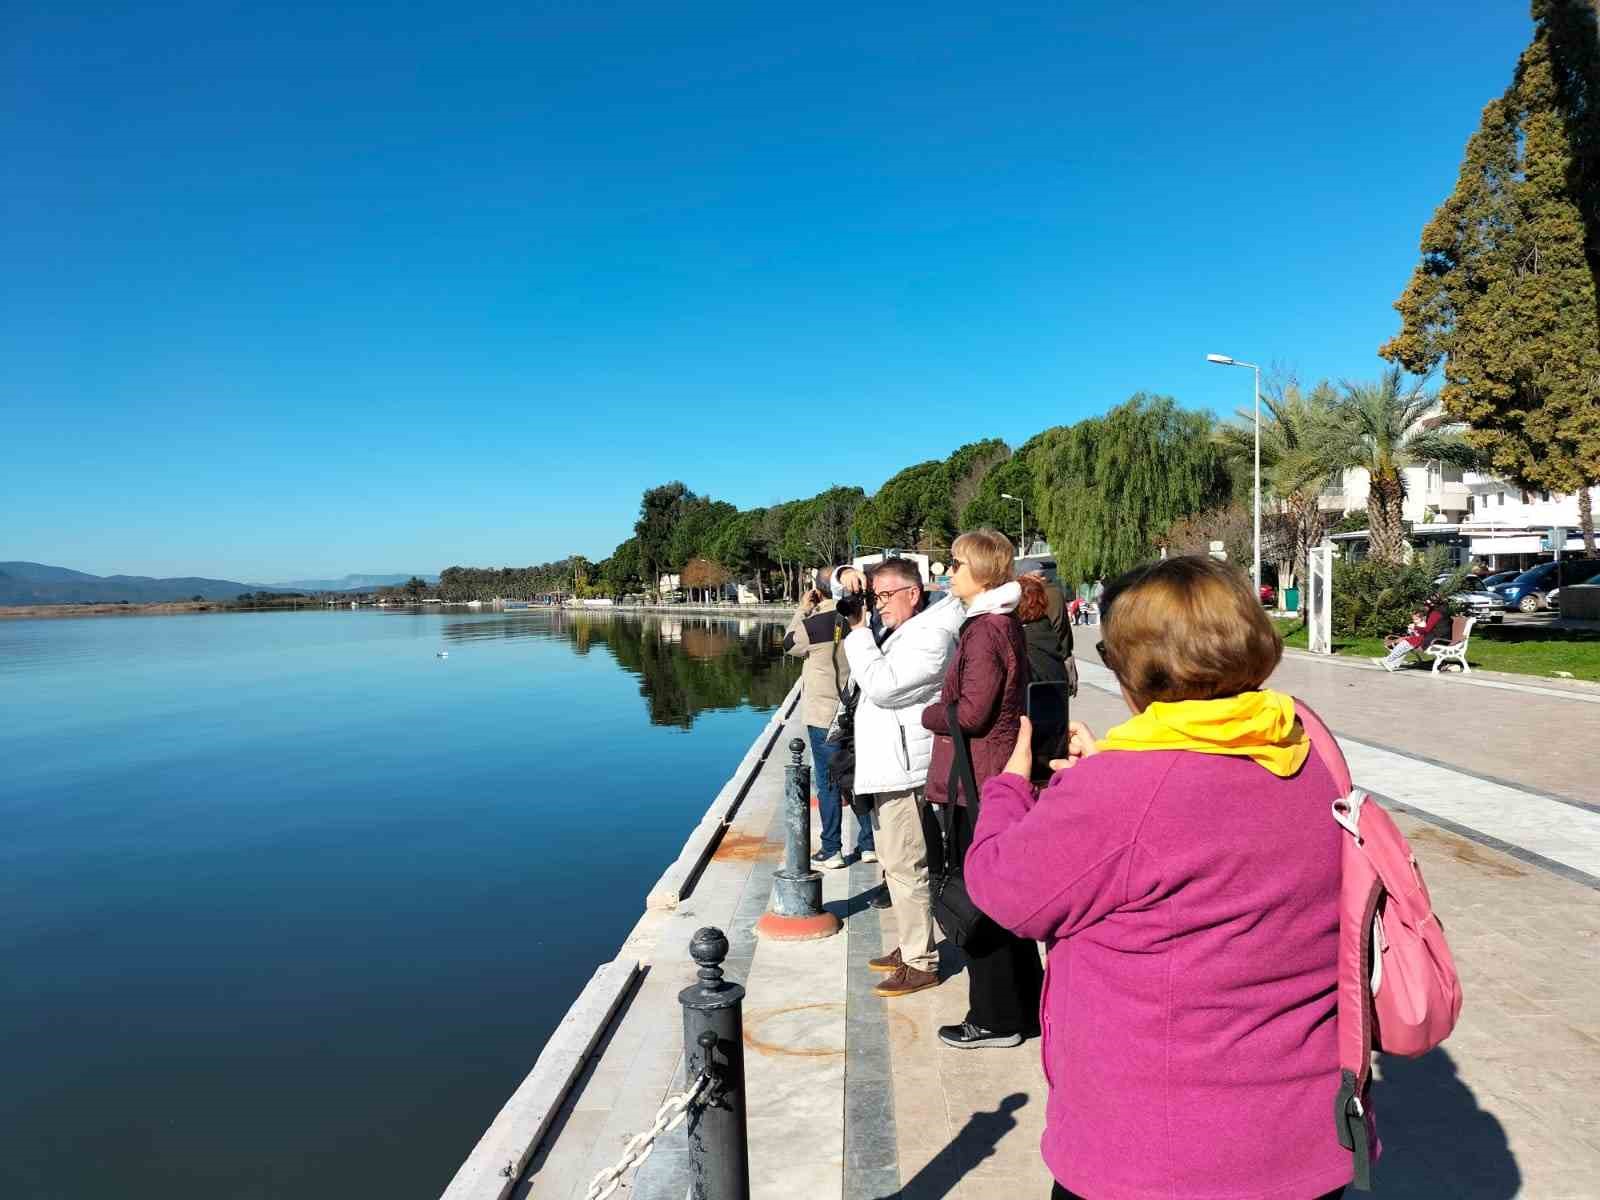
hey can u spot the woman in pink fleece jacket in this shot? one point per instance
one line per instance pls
(1184, 876)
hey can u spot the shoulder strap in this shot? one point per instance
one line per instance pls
(1324, 743)
(963, 760)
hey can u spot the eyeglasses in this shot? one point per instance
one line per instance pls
(955, 565)
(879, 597)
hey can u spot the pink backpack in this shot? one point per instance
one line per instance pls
(1398, 990)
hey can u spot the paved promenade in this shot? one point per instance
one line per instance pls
(852, 1096)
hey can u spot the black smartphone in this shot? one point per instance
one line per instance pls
(1046, 707)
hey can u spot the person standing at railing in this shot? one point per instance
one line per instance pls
(816, 634)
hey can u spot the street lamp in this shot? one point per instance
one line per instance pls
(1222, 360)
(1022, 521)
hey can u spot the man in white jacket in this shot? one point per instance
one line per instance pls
(899, 676)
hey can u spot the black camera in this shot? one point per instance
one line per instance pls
(851, 604)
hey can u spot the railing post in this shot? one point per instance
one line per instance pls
(795, 912)
(713, 1041)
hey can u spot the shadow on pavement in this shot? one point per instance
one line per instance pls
(976, 1142)
(1436, 1140)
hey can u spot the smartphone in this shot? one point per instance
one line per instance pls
(1046, 707)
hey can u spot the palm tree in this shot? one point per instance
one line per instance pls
(1382, 428)
(1294, 434)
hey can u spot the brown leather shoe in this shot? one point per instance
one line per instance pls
(888, 963)
(905, 981)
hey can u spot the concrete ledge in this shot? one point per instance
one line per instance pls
(502, 1153)
(678, 880)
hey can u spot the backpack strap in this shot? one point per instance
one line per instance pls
(1354, 1003)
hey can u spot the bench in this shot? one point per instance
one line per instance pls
(1455, 649)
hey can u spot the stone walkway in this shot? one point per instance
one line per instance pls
(852, 1096)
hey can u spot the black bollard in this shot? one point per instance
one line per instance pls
(713, 1040)
(795, 912)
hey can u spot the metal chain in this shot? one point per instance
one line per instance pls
(672, 1113)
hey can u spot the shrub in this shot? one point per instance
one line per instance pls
(1371, 598)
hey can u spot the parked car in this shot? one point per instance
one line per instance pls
(1528, 591)
(1476, 600)
(1552, 599)
(1499, 580)
(1269, 595)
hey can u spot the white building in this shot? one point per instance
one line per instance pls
(1505, 523)
(1435, 494)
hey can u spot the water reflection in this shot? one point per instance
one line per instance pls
(685, 665)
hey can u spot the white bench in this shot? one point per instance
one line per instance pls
(1455, 650)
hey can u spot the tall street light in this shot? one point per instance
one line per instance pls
(1022, 521)
(1222, 360)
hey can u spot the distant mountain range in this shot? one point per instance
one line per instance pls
(37, 583)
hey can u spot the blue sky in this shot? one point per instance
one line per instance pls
(305, 289)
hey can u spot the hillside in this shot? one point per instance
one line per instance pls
(38, 583)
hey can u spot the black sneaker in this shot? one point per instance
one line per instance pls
(967, 1036)
(880, 899)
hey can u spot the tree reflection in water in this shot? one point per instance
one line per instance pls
(685, 665)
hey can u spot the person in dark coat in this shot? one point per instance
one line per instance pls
(987, 681)
(1048, 662)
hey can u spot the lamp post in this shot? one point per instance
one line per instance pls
(1222, 360)
(1022, 522)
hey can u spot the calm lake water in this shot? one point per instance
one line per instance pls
(288, 904)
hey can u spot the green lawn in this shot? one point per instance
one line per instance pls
(1521, 649)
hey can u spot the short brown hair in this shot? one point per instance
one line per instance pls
(1034, 603)
(1187, 629)
(989, 555)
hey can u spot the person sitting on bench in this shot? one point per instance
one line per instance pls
(1424, 631)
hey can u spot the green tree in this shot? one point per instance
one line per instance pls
(829, 517)
(911, 509)
(1382, 428)
(989, 508)
(1108, 487)
(660, 510)
(1295, 429)
(1505, 295)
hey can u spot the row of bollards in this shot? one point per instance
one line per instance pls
(713, 1008)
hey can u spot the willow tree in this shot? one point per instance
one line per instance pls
(1109, 487)
(1505, 295)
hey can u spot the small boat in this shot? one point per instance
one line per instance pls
(442, 654)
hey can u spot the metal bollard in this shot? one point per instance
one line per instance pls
(795, 912)
(713, 1041)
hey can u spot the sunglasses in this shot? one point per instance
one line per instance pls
(955, 565)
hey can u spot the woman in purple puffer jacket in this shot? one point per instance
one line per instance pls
(987, 681)
(1184, 875)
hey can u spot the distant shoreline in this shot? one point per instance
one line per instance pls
(178, 608)
(162, 608)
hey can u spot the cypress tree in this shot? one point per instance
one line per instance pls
(1505, 295)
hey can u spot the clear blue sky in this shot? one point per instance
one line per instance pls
(306, 289)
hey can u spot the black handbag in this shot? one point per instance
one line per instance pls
(953, 908)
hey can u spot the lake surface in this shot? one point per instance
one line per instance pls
(288, 904)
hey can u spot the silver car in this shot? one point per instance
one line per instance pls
(1477, 600)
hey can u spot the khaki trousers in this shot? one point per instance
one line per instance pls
(903, 851)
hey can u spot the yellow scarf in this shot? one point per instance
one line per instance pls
(1255, 725)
